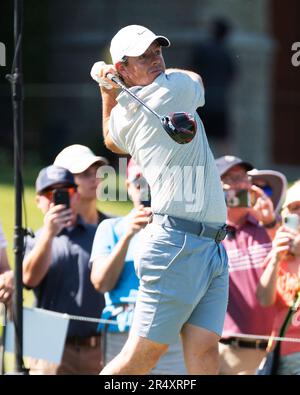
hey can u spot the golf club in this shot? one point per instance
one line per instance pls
(180, 126)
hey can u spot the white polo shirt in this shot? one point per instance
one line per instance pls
(183, 178)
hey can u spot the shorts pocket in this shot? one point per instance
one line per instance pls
(157, 255)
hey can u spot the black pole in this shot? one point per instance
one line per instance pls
(16, 80)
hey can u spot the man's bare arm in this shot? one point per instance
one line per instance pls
(108, 103)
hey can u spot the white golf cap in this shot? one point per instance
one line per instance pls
(133, 40)
(77, 158)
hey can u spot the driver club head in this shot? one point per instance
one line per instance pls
(180, 126)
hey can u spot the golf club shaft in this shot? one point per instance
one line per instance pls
(123, 87)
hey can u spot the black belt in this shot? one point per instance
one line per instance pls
(233, 341)
(90, 341)
(198, 228)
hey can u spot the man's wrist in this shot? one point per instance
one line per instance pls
(271, 224)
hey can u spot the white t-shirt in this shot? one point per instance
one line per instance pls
(3, 243)
(183, 178)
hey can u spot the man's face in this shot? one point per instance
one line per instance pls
(236, 178)
(45, 198)
(144, 69)
(88, 182)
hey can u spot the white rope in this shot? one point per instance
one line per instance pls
(261, 337)
(113, 322)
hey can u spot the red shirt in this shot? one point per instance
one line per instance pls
(246, 249)
(288, 284)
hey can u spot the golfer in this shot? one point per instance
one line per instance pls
(182, 265)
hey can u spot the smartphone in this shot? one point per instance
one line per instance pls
(240, 198)
(61, 196)
(292, 221)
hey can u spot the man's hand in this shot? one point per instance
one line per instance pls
(139, 220)
(99, 72)
(6, 286)
(57, 218)
(263, 209)
(295, 249)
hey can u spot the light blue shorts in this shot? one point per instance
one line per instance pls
(183, 279)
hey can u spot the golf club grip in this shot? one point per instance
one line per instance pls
(113, 78)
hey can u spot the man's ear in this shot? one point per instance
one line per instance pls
(121, 69)
(37, 200)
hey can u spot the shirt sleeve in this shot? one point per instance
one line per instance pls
(3, 242)
(115, 130)
(104, 240)
(192, 90)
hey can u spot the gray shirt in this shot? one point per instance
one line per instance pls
(183, 179)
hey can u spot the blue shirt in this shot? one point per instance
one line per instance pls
(107, 236)
(66, 288)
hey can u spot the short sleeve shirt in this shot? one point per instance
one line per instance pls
(288, 284)
(66, 288)
(247, 249)
(107, 236)
(183, 178)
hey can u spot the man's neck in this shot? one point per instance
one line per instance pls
(87, 209)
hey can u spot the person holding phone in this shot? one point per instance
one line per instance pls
(56, 267)
(280, 281)
(247, 244)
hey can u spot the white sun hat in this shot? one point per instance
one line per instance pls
(274, 180)
(77, 158)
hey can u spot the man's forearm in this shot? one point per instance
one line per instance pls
(36, 264)
(266, 290)
(106, 271)
(108, 103)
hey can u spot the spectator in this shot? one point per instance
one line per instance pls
(214, 62)
(280, 281)
(83, 163)
(247, 244)
(6, 274)
(113, 272)
(56, 266)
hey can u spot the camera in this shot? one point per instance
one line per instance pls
(240, 198)
(292, 221)
(61, 196)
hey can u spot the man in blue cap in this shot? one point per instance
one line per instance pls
(56, 267)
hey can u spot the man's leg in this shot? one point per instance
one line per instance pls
(200, 348)
(138, 356)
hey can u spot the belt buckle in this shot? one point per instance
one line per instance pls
(235, 343)
(258, 344)
(221, 235)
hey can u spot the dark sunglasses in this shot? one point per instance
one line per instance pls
(48, 193)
